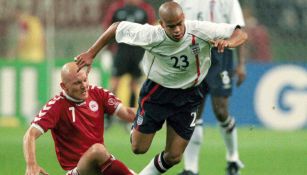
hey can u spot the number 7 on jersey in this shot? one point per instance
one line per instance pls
(72, 109)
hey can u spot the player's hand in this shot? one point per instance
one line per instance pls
(35, 170)
(132, 112)
(241, 73)
(84, 59)
(127, 113)
(220, 44)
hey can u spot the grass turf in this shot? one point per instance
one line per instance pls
(264, 152)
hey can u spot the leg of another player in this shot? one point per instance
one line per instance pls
(132, 100)
(228, 129)
(114, 82)
(175, 146)
(97, 160)
(133, 90)
(192, 151)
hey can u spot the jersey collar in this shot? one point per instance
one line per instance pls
(71, 98)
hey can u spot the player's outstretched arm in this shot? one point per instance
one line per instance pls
(86, 58)
(126, 113)
(237, 38)
(240, 69)
(32, 168)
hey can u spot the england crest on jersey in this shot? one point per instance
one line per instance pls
(195, 49)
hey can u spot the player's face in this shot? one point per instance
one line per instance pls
(174, 27)
(77, 87)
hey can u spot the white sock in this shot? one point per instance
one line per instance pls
(191, 153)
(150, 169)
(156, 166)
(229, 134)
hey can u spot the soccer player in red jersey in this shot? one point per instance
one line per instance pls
(75, 118)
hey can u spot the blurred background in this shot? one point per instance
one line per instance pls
(38, 36)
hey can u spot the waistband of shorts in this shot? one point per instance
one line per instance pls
(193, 88)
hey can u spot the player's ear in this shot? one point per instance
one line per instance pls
(63, 85)
(161, 23)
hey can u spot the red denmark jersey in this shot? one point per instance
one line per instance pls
(76, 126)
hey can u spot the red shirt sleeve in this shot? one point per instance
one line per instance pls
(109, 101)
(49, 115)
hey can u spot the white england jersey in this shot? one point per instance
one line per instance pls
(172, 64)
(220, 11)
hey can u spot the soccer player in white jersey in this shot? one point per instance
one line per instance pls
(75, 118)
(176, 61)
(219, 80)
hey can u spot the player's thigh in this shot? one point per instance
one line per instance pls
(134, 68)
(183, 121)
(149, 118)
(140, 142)
(114, 82)
(119, 68)
(220, 74)
(201, 109)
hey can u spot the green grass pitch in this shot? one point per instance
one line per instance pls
(264, 152)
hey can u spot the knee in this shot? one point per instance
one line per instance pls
(221, 114)
(138, 149)
(138, 146)
(98, 149)
(229, 124)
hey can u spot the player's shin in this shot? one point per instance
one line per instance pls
(113, 166)
(229, 133)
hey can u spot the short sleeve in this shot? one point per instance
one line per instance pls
(109, 101)
(209, 31)
(236, 15)
(48, 116)
(142, 35)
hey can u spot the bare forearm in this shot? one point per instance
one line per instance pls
(104, 39)
(29, 148)
(29, 152)
(127, 114)
(240, 53)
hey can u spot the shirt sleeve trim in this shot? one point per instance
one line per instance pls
(238, 27)
(38, 127)
(117, 109)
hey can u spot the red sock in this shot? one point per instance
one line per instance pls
(114, 167)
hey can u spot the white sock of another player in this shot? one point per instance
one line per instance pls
(191, 153)
(229, 133)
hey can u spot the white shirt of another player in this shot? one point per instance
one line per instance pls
(220, 11)
(169, 63)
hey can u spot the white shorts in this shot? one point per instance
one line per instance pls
(72, 172)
